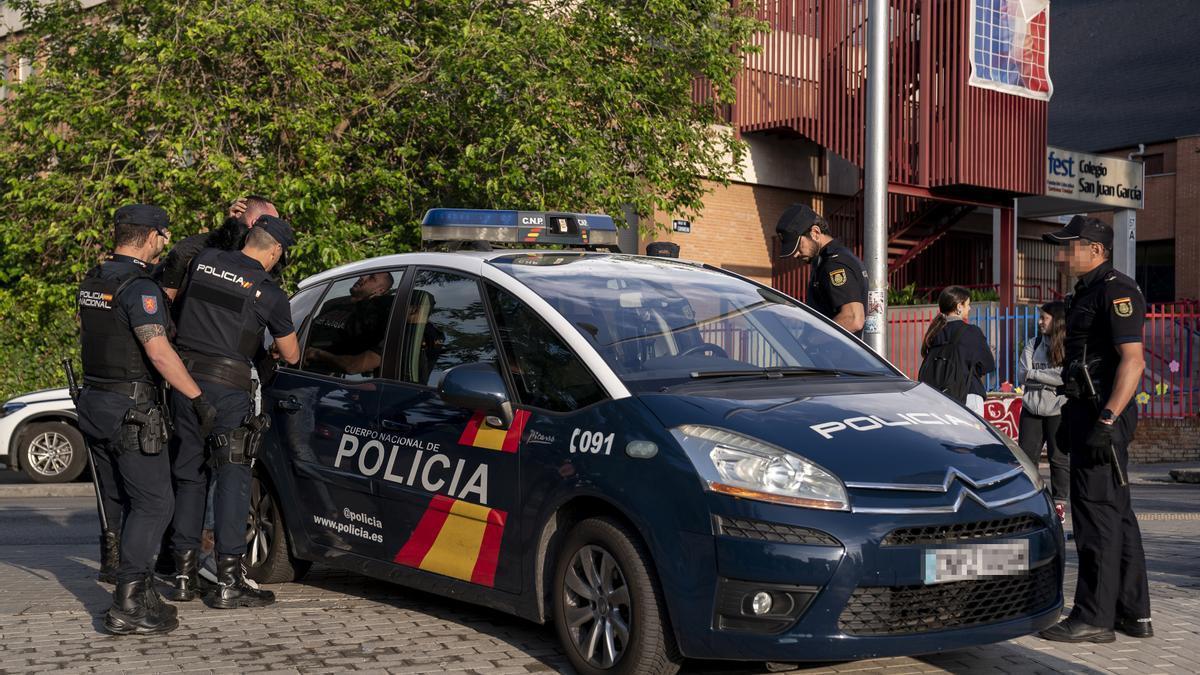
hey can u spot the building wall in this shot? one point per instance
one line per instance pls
(1187, 218)
(737, 228)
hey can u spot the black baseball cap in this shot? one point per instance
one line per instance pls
(145, 215)
(1082, 227)
(662, 249)
(796, 221)
(279, 229)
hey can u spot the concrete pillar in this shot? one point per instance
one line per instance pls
(1125, 241)
(1004, 253)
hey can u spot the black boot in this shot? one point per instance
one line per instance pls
(1138, 628)
(130, 615)
(1072, 629)
(154, 600)
(110, 555)
(185, 585)
(232, 591)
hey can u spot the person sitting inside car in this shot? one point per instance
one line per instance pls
(350, 331)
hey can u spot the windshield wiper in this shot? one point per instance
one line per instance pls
(774, 373)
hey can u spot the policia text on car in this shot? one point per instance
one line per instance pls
(126, 354)
(226, 301)
(1103, 365)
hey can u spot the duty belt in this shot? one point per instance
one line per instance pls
(218, 370)
(140, 392)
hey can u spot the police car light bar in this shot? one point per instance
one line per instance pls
(519, 227)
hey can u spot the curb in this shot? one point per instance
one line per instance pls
(48, 490)
(1185, 475)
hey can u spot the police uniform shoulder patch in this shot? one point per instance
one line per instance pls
(838, 277)
(150, 304)
(1123, 307)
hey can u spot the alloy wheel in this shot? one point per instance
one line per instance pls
(597, 610)
(50, 453)
(260, 533)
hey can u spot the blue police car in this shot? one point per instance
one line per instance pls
(664, 459)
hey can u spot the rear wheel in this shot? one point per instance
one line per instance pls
(51, 452)
(268, 557)
(608, 607)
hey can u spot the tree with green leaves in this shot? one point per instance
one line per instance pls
(354, 117)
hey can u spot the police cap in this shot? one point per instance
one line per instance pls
(145, 215)
(796, 221)
(1082, 227)
(663, 249)
(279, 229)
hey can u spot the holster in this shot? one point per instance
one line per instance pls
(145, 430)
(239, 445)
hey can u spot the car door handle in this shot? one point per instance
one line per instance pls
(290, 404)
(395, 425)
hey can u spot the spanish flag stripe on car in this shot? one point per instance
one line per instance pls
(481, 435)
(456, 539)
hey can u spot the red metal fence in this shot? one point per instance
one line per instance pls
(1170, 385)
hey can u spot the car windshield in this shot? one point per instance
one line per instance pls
(660, 322)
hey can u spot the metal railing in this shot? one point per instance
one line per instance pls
(1170, 385)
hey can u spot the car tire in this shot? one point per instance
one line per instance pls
(51, 452)
(621, 572)
(268, 557)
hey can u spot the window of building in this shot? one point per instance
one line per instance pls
(1155, 270)
(446, 324)
(1153, 164)
(346, 335)
(546, 372)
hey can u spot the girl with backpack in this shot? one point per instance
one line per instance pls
(1040, 372)
(956, 354)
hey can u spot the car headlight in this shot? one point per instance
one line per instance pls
(11, 407)
(1031, 469)
(741, 466)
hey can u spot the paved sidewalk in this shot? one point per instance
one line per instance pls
(51, 608)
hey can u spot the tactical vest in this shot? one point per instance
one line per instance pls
(110, 350)
(217, 317)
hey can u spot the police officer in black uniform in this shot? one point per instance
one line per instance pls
(1103, 367)
(227, 300)
(837, 280)
(229, 237)
(125, 352)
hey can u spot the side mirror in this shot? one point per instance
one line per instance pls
(478, 386)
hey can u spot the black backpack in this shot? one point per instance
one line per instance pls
(944, 369)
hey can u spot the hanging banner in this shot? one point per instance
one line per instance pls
(1011, 47)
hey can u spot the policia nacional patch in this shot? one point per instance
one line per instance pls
(1123, 307)
(838, 277)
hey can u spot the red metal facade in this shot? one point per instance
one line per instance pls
(810, 79)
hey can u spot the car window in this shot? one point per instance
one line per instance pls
(346, 334)
(660, 322)
(302, 304)
(546, 372)
(445, 325)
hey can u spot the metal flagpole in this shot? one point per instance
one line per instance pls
(875, 190)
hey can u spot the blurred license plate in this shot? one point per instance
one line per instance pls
(977, 560)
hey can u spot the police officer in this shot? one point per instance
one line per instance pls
(125, 351)
(171, 274)
(837, 285)
(228, 298)
(229, 237)
(1103, 366)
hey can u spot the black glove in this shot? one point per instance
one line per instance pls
(206, 414)
(1099, 443)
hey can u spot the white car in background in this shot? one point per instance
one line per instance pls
(39, 435)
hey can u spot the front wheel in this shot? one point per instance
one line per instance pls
(52, 452)
(268, 559)
(608, 607)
